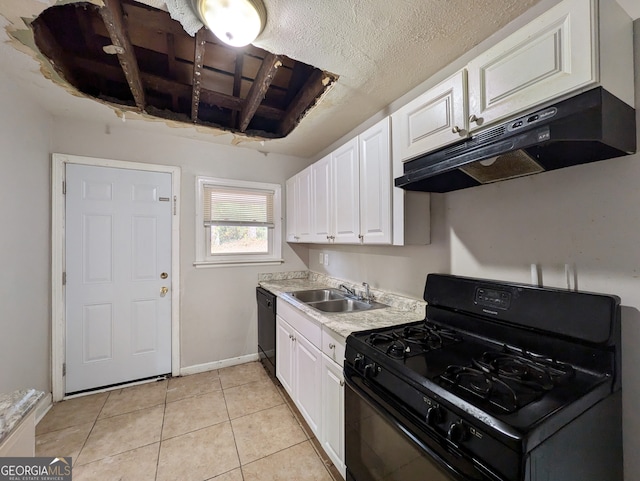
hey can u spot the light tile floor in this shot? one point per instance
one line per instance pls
(234, 424)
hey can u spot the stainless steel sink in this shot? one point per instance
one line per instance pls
(345, 305)
(333, 300)
(317, 295)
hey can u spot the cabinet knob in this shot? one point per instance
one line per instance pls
(290, 336)
(456, 129)
(341, 383)
(474, 118)
(332, 346)
(360, 236)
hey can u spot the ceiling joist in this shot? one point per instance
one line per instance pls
(260, 85)
(198, 57)
(312, 89)
(114, 21)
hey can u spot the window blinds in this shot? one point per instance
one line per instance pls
(233, 206)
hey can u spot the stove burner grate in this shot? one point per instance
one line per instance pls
(508, 379)
(412, 340)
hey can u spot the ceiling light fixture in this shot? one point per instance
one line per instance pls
(235, 22)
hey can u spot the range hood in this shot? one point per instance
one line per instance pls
(592, 126)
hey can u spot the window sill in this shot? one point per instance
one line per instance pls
(208, 264)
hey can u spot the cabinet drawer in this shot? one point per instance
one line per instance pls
(333, 345)
(301, 323)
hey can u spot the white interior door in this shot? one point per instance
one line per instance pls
(118, 275)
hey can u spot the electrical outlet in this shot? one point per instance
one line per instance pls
(326, 259)
(321, 258)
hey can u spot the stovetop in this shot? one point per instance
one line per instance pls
(499, 379)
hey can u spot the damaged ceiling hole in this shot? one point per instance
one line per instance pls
(135, 56)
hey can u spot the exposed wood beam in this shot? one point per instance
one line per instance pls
(171, 64)
(50, 47)
(313, 88)
(162, 84)
(198, 60)
(237, 83)
(113, 18)
(258, 89)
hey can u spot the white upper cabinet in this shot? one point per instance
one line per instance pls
(435, 119)
(573, 46)
(347, 197)
(291, 210)
(375, 184)
(321, 179)
(552, 55)
(299, 207)
(346, 193)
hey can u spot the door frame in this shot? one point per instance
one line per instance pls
(58, 317)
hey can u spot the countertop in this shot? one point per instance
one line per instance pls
(401, 309)
(14, 407)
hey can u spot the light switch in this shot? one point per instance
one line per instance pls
(321, 258)
(326, 259)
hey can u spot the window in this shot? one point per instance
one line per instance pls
(238, 222)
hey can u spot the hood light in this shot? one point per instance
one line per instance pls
(235, 22)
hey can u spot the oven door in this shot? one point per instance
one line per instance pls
(381, 445)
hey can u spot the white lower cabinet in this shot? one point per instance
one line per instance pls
(332, 430)
(298, 367)
(307, 369)
(284, 354)
(309, 360)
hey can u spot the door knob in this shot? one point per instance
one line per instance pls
(163, 291)
(164, 275)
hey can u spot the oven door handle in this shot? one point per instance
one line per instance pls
(356, 384)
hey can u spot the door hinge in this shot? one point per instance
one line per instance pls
(64, 369)
(64, 188)
(175, 204)
(64, 278)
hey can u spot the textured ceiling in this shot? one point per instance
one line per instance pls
(381, 49)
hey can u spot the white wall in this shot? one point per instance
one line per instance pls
(24, 241)
(587, 216)
(218, 308)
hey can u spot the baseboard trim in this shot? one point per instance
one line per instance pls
(42, 406)
(212, 366)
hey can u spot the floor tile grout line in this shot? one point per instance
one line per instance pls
(164, 414)
(116, 454)
(235, 443)
(95, 421)
(196, 430)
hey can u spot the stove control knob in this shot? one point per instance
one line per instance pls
(457, 432)
(358, 361)
(435, 415)
(370, 370)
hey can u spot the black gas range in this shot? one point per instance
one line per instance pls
(501, 381)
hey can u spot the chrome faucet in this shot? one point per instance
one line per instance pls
(366, 295)
(350, 291)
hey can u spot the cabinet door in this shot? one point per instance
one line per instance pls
(375, 185)
(321, 205)
(346, 193)
(332, 437)
(307, 375)
(550, 56)
(291, 209)
(435, 119)
(304, 205)
(284, 354)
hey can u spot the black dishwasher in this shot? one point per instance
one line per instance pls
(267, 329)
